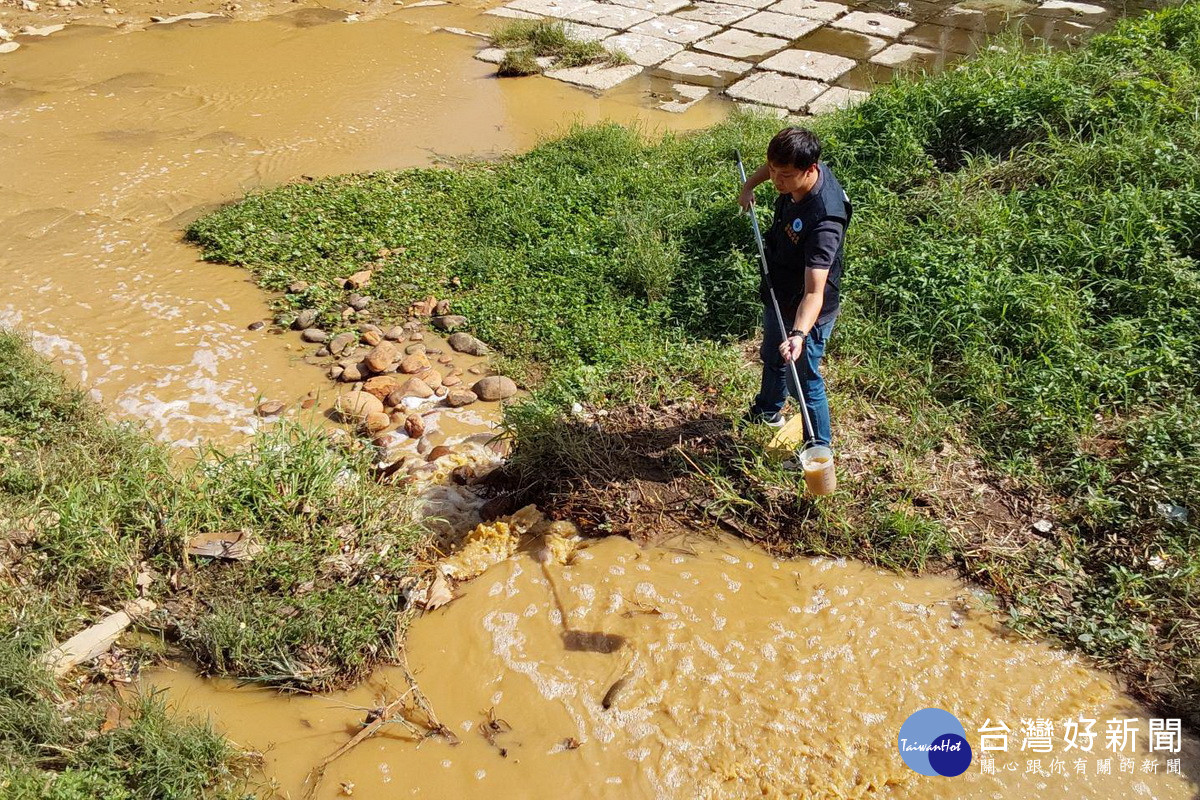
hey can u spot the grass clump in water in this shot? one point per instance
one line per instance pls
(1022, 290)
(527, 40)
(93, 514)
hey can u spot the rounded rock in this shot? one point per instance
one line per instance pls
(449, 322)
(357, 406)
(494, 387)
(414, 426)
(270, 408)
(314, 335)
(466, 343)
(415, 387)
(382, 356)
(417, 362)
(457, 398)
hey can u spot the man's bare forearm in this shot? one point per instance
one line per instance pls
(809, 310)
(759, 175)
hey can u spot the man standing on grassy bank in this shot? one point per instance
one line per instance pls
(804, 259)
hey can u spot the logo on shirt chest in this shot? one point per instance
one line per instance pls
(793, 231)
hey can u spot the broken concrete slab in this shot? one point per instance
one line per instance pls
(703, 69)
(586, 33)
(809, 64)
(785, 26)
(836, 98)
(684, 97)
(645, 51)
(510, 13)
(45, 30)
(607, 15)
(1074, 8)
(741, 44)
(843, 43)
(763, 111)
(492, 55)
(548, 8)
(656, 6)
(813, 9)
(595, 76)
(188, 17)
(94, 640)
(8, 47)
(943, 39)
(775, 89)
(722, 14)
(895, 55)
(683, 31)
(874, 24)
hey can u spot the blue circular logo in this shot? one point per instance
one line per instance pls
(797, 225)
(933, 742)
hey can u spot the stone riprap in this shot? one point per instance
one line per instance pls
(786, 56)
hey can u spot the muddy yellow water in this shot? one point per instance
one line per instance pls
(740, 676)
(112, 140)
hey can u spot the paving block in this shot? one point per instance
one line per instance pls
(586, 33)
(722, 14)
(941, 38)
(1074, 8)
(492, 55)
(810, 64)
(702, 68)
(813, 9)
(763, 111)
(645, 51)
(684, 96)
(595, 76)
(774, 89)
(874, 24)
(607, 15)
(510, 13)
(683, 31)
(749, 3)
(843, 43)
(895, 55)
(836, 97)
(655, 6)
(785, 26)
(547, 8)
(740, 44)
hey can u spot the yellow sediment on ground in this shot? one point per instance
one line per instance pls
(490, 543)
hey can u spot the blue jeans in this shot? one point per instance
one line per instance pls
(777, 377)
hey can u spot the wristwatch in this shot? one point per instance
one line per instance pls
(797, 332)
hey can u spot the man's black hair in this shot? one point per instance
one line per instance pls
(794, 147)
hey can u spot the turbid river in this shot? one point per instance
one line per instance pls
(112, 140)
(741, 676)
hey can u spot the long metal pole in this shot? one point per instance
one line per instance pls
(783, 331)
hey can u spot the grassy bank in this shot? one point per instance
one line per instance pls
(93, 514)
(1020, 317)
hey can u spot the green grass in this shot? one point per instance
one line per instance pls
(54, 744)
(97, 503)
(529, 39)
(1022, 281)
(86, 506)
